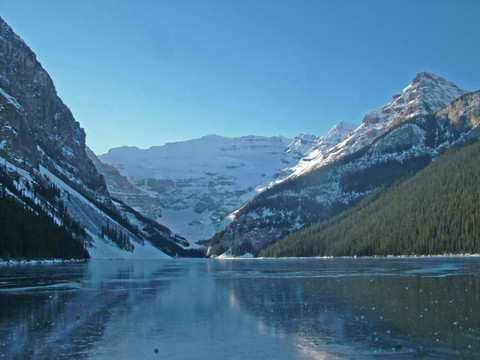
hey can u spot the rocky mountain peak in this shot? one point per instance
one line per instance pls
(302, 144)
(425, 77)
(379, 154)
(341, 129)
(46, 170)
(315, 150)
(426, 94)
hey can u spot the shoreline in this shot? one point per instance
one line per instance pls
(346, 257)
(69, 261)
(41, 262)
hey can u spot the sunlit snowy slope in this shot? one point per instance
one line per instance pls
(198, 183)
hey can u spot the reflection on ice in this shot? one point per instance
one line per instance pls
(187, 319)
(249, 309)
(444, 269)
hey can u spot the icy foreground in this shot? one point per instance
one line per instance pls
(244, 309)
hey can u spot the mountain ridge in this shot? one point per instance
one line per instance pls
(426, 93)
(373, 155)
(36, 125)
(431, 213)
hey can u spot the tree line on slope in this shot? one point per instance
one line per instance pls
(119, 237)
(434, 212)
(28, 232)
(28, 235)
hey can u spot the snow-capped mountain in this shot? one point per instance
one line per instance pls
(317, 149)
(392, 142)
(427, 94)
(46, 170)
(196, 183)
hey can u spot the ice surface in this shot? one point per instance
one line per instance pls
(244, 309)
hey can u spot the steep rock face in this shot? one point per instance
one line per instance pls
(35, 125)
(463, 114)
(428, 93)
(375, 154)
(120, 188)
(45, 167)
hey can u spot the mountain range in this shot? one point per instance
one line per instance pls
(197, 184)
(208, 196)
(304, 180)
(427, 117)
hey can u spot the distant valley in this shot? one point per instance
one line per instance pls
(198, 184)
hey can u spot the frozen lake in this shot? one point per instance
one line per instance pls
(415, 308)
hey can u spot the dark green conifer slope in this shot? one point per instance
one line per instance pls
(28, 230)
(26, 234)
(434, 212)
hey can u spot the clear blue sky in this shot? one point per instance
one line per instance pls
(146, 72)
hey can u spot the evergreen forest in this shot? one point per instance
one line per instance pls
(28, 232)
(434, 212)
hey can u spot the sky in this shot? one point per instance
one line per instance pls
(147, 72)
